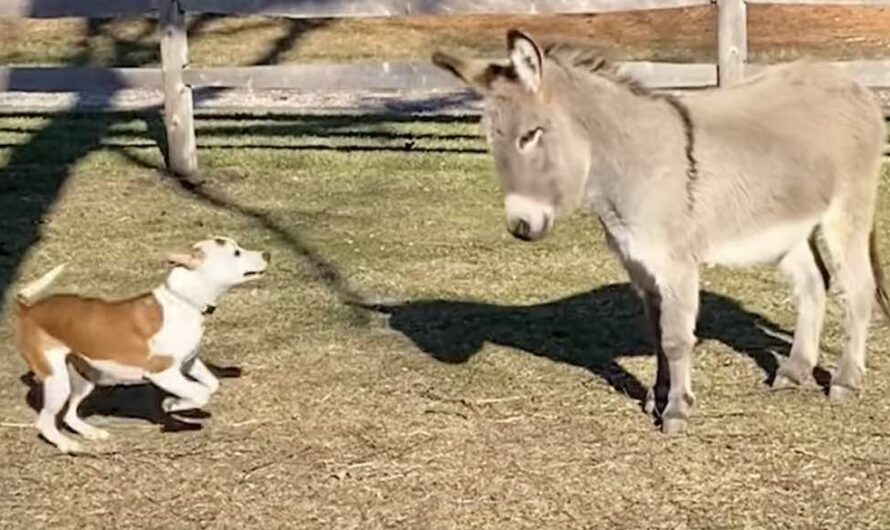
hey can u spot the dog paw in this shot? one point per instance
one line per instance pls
(68, 446)
(96, 434)
(170, 404)
(174, 404)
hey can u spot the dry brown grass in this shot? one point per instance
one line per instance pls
(495, 400)
(775, 33)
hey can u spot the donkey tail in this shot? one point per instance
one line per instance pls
(878, 272)
(31, 290)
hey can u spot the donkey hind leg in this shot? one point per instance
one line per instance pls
(858, 284)
(657, 394)
(679, 310)
(802, 265)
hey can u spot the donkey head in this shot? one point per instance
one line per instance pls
(540, 155)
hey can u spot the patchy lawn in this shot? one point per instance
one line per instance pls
(492, 384)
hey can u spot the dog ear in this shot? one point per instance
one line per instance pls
(189, 260)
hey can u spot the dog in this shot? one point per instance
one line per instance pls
(73, 343)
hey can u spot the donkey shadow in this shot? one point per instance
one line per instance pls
(141, 402)
(589, 330)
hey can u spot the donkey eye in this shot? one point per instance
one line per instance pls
(237, 253)
(528, 139)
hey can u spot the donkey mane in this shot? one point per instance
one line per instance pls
(589, 60)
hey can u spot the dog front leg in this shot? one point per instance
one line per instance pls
(189, 394)
(200, 373)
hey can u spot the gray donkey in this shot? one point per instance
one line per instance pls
(740, 175)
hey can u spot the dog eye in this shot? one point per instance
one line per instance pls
(237, 253)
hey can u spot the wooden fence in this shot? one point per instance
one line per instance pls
(177, 80)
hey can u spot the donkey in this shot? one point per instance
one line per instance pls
(737, 176)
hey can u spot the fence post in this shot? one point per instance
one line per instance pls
(178, 111)
(732, 41)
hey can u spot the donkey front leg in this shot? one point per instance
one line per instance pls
(678, 293)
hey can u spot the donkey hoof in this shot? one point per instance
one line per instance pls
(656, 399)
(782, 382)
(674, 426)
(840, 393)
(791, 374)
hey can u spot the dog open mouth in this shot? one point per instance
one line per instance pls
(252, 274)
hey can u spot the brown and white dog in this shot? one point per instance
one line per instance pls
(73, 343)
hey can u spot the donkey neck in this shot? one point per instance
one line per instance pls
(632, 135)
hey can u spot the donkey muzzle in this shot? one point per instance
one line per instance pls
(528, 219)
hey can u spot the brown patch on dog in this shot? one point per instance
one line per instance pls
(95, 329)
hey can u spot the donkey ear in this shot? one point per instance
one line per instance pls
(476, 73)
(526, 58)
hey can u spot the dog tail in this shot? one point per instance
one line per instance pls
(31, 290)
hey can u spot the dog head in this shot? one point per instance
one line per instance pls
(221, 262)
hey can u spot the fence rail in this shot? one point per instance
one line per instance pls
(177, 79)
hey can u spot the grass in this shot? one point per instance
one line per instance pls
(493, 384)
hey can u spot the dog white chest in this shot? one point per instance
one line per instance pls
(179, 340)
(181, 332)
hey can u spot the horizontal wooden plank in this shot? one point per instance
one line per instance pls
(874, 74)
(408, 76)
(407, 8)
(824, 2)
(672, 75)
(370, 76)
(356, 76)
(78, 79)
(74, 8)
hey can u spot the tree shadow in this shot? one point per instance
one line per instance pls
(590, 330)
(324, 270)
(37, 170)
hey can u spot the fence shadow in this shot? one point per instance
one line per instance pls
(32, 179)
(590, 330)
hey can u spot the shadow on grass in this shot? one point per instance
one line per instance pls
(322, 269)
(589, 330)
